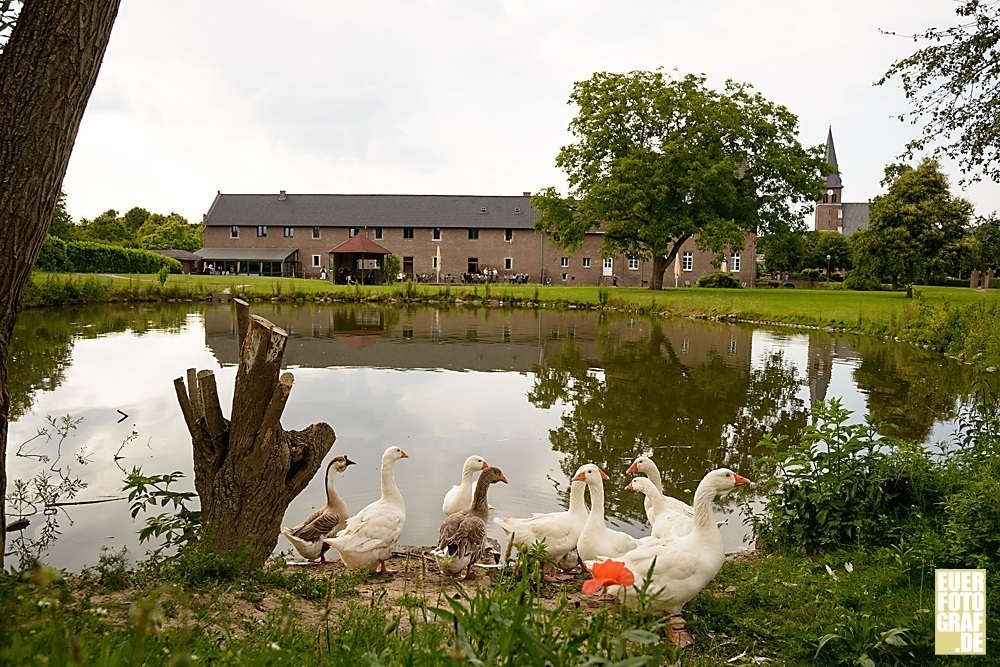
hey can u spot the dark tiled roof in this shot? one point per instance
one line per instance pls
(248, 254)
(832, 180)
(317, 210)
(180, 255)
(359, 243)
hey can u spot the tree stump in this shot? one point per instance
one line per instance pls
(248, 469)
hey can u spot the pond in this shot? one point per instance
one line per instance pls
(535, 392)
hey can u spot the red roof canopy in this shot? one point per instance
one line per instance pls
(359, 244)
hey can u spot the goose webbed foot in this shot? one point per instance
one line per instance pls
(678, 633)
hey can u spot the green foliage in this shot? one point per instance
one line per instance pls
(833, 488)
(160, 232)
(631, 170)
(818, 245)
(812, 275)
(783, 250)
(954, 95)
(53, 255)
(720, 279)
(860, 641)
(391, 269)
(162, 275)
(860, 281)
(177, 528)
(915, 226)
(113, 570)
(89, 257)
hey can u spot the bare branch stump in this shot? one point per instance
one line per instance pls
(248, 469)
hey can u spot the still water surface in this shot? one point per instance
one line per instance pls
(537, 393)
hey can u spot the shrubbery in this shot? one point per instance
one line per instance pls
(847, 485)
(859, 281)
(719, 279)
(90, 257)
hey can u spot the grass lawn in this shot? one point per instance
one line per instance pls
(839, 308)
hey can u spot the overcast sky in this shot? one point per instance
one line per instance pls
(453, 97)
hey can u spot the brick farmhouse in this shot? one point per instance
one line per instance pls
(436, 237)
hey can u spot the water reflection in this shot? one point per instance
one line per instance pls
(536, 392)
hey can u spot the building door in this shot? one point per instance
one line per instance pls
(609, 265)
(407, 267)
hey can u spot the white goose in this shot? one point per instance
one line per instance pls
(666, 521)
(459, 498)
(371, 534)
(645, 465)
(681, 568)
(596, 539)
(559, 530)
(327, 521)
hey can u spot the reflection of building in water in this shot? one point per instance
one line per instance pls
(466, 339)
(822, 351)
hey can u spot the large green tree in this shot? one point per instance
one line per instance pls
(818, 245)
(168, 232)
(916, 221)
(48, 68)
(953, 84)
(658, 160)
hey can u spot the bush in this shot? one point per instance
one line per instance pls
(89, 257)
(53, 255)
(720, 279)
(861, 282)
(812, 275)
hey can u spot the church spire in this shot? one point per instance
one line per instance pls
(833, 179)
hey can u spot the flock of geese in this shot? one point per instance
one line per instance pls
(682, 554)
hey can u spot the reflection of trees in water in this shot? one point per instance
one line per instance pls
(42, 347)
(43, 497)
(690, 416)
(909, 387)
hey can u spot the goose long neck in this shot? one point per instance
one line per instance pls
(704, 515)
(479, 505)
(655, 478)
(596, 502)
(331, 490)
(576, 491)
(389, 489)
(467, 474)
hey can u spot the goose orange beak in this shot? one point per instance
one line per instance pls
(485, 465)
(632, 469)
(603, 476)
(580, 477)
(405, 455)
(503, 478)
(629, 487)
(741, 480)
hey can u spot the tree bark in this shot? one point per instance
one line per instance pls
(248, 470)
(47, 71)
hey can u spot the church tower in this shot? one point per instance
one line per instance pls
(829, 208)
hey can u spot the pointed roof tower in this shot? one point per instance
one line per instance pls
(832, 180)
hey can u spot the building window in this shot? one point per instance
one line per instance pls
(289, 232)
(407, 232)
(473, 265)
(473, 233)
(734, 262)
(687, 261)
(826, 199)
(352, 232)
(315, 232)
(434, 262)
(609, 263)
(261, 230)
(508, 263)
(234, 232)
(586, 262)
(833, 198)
(633, 264)
(436, 234)
(564, 262)
(565, 276)
(508, 235)
(316, 259)
(407, 266)
(378, 233)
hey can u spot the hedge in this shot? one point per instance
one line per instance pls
(89, 257)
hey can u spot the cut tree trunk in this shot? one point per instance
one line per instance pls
(248, 469)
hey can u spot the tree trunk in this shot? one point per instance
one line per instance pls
(659, 268)
(47, 71)
(248, 470)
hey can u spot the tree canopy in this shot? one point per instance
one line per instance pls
(137, 228)
(914, 226)
(953, 84)
(658, 160)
